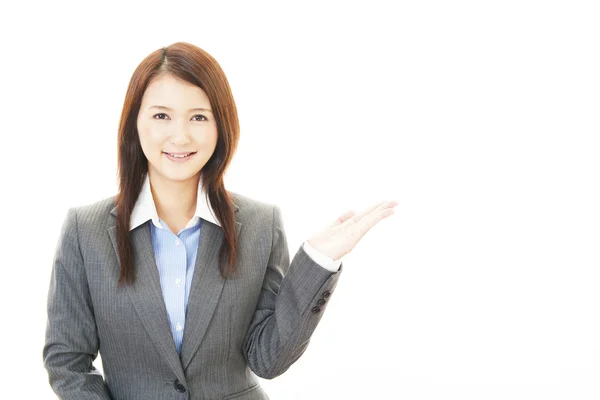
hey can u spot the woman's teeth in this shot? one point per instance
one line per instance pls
(179, 155)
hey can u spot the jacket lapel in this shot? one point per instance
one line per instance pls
(205, 289)
(147, 298)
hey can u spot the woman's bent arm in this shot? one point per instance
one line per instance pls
(292, 301)
(71, 343)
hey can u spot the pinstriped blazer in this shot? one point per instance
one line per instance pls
(257, 323)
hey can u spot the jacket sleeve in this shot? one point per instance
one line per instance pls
(71, 342)
(292, 301)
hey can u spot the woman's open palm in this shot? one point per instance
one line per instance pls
(343, 234)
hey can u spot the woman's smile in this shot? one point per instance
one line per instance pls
(176, 158)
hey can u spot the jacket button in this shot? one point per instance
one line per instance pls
(326, 294)
(320, 302)
(315, 309)
(178, 386)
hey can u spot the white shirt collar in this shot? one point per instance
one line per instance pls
(145, 208)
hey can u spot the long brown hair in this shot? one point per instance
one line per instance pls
(194, 65)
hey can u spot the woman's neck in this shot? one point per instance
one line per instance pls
(174, 200)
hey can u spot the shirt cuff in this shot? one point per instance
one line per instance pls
(321, 259)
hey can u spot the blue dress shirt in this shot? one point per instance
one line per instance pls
(175, 256)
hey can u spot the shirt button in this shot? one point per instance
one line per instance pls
(177, 242)
(178, 327)
(177, 281)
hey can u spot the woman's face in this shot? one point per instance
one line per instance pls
(176, 117)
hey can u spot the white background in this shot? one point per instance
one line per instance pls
(479, 117)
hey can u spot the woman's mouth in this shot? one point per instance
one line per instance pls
(179, 157)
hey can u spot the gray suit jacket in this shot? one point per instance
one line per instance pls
(258, 323)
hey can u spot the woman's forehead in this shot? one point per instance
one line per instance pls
(174, 94)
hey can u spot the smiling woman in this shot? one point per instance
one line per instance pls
(177, 282)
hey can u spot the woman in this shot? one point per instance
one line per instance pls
(185, 288)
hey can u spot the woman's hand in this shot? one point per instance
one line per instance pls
(343, 234)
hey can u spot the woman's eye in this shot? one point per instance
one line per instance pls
(197, 115)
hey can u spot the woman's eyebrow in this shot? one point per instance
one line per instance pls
(170, 109)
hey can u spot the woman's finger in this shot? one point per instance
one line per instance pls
(342, 218)
(370, 209)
